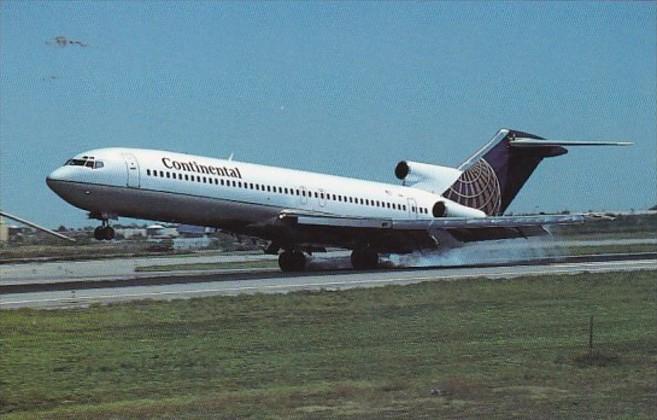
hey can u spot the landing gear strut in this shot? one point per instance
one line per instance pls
(364, 259)
(292, 261)
(105, 232)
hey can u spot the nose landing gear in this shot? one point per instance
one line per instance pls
(104, 232)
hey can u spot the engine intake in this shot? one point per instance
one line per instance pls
(439, 209)
(402, 169)
(448, 208)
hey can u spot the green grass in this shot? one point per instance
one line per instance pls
(492, 347)
(210, 266)
(610, 249)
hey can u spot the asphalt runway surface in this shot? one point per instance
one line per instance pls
(78, 292)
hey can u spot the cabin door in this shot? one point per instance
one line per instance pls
(322, 197)
(412, 208)
(132, 166)
(304, 196)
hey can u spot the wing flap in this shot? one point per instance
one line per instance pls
(312, 219)
(489, 222)
(446, 223)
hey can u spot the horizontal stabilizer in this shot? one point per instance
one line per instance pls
(522, 142)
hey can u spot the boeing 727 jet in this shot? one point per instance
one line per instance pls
(303, 212)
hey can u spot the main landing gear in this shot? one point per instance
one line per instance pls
(105, 232)
(364, 259)
(292, 261)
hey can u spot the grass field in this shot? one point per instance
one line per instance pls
(487, 348)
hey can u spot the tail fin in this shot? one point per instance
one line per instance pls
(494, 175)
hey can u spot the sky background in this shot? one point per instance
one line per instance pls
(342, 88)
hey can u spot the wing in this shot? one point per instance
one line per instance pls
(34, 225)
(394, 235)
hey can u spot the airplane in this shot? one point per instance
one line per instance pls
(299, 212)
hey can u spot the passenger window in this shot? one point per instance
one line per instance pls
(298, 192)
(148, 172)
(321, 195)
(168, 175)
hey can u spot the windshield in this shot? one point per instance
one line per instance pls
(87, 161)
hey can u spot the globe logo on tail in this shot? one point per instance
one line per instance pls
(477, 188)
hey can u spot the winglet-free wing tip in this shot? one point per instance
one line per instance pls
(34, 225)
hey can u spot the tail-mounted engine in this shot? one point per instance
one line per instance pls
(432, 178)
(448, 208)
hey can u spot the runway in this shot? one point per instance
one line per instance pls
(82, 292)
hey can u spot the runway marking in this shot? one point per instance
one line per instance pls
(561, 269)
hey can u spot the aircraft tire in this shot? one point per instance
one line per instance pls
(99, 233)
(109, 233)
(290, 261)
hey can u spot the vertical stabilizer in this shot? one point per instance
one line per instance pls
(493, 176)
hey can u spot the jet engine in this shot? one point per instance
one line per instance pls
(409, 169)
(432, 178)
(448, 208)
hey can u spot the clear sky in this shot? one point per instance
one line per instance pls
(336, 87)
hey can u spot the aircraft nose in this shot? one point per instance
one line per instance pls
(55, 177)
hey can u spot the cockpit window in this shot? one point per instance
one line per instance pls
(76, 162)
(87, 161)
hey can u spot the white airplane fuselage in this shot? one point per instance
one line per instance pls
(175, 187)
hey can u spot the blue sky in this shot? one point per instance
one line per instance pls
(343, 88)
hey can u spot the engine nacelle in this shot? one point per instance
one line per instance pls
(432, 178)
(449, 208)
